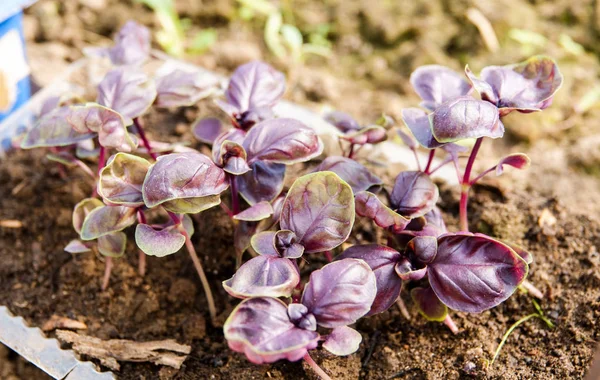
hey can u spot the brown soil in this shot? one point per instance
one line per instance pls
(376, 46)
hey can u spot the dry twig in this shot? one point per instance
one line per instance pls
(110, 352)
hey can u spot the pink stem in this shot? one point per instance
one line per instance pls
(226, 209)
(101, 159)
(417, 159)
(451, 325)
(464, 195)
(315, 367)
(402, 308)
(108, 265)
(429, 161)
(531, 289)
(446, 161)
(140, 129)
(480, 176)
(198, 265)
(141, 255)
(351, 153)
(328, 256)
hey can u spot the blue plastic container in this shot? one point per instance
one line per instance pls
(14, 82)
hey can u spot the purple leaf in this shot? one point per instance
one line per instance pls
(264, 276)
(259, 211)
(286, 243)
(340, 293)
(110, 126)
(132, 45)
(128, 91)
(264, 243)
(284, 141)
(319, 209)
(235, 135)
(263, 182)
(342, 341)
(423, 248)
(105, 220)
(473, 273)
(81, 211)
(370, 206)
(301, 317)
(356, 175)
(525, 255)
(181, 88)
(261, 329)
(158, 243)
(428, 304)
(77, 246)
(516, 160)
(53, 129)
(342, 121)
(112, 244)
(255, 85)
(526, 86)
(369, 135)
(414, 194)
(417, 121)
(207, 130)
(122, 178)
(184, 183)
(382, 260)
(232, 158)
(437, 84)
(484, 89)
(407, 272)
(435, 218)
(464, 118)
(409, 140)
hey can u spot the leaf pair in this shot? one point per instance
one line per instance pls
(466, 272)
(525, 87)
(258, 158)
(93, 220)
(317, 215)
(414, 194)
(353, 132)
(266, 329)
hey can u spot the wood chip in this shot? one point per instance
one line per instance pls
(110, 352)
(57, 322)
(11, 223)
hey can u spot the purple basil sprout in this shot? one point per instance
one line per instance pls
(266, 329)
(131, 46)
(317, 215)
(355, 134)
(464, 272)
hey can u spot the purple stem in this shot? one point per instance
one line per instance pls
(429, 161)
(351, 153)
(446, 161)
(101, 159)
(328, 256)
(140, 130)
(464, 195)
(322, 374)
(235, 198)
(480, 176)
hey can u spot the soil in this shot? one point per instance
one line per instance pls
(552, 209)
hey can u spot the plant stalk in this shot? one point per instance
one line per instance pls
(429, 161)
(417, 159)
(322, 374)
(403, 309)
(145, 141)
(328, 256)
(141, 255)
(235, 198)
(108, 265)
(451, 325)
(101, 159)
(198, 265)
(464, 195)
(351, 152)
(531, 289)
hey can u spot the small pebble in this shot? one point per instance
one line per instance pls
(469, 366)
